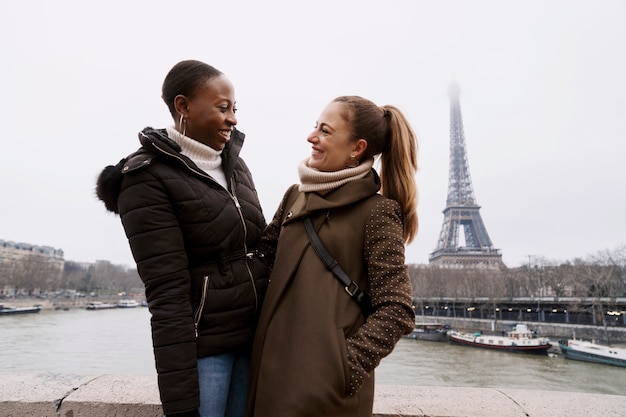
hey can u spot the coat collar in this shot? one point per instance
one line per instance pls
(311, 202)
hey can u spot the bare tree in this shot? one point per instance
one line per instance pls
(560, 279)
(73, 275)
(6, 274)
(34, 273)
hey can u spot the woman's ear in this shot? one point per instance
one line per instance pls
(181, 105)
(359, 147)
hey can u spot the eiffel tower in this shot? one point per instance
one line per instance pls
(461, 208)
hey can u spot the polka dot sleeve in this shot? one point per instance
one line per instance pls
(390, 289)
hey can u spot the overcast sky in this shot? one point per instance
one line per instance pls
(543, 99)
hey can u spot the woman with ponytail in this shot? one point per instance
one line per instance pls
(316, 349)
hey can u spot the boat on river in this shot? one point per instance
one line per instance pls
(99, 305)
(434, 332)
(519, 339)
(9, 310)
(128, 303)
(581, 350)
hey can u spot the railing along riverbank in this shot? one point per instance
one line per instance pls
(64, 303)
(566, 310)
(52, 395)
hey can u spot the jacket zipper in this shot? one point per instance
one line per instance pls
(249, 255)
(198, 313)
(233, 195)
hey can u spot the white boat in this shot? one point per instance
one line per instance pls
(519, 339)
(434, 332)
(581, 350)
(5, 310)
(98, 305)
(127, 303)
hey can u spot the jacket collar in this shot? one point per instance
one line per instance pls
(156, 140)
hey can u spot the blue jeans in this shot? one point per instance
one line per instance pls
(223, 384)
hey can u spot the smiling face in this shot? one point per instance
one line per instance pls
(210, 112)
(331, 140)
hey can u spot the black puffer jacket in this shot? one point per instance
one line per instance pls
(195, 247)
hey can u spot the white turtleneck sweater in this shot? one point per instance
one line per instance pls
(208, 159)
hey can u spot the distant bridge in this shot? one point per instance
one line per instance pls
(566, 310)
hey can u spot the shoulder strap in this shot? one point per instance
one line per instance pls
(361, 297)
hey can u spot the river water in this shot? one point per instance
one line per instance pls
(118, 341)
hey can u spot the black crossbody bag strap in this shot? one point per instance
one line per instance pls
(361, 297)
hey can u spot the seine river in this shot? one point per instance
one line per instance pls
(118, 341)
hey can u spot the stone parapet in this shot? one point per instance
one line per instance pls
(54, 395)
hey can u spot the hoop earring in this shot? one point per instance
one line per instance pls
(352, 162)
(182, 123)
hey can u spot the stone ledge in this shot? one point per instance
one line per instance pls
(412, 401)
(54, 395)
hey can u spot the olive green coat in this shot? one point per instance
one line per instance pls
(314, 352)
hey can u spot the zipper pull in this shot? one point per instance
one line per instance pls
(195, 326)
(236, 202)
(254, 253)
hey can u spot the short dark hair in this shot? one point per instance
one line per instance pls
(184, 79)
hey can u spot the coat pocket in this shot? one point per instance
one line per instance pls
(197, 315)
(344, 360)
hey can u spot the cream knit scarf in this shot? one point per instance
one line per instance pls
(313, 180)
(208, 159)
